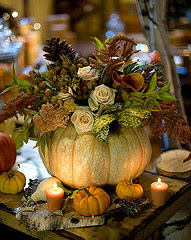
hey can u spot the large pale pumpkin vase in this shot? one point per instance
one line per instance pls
(83, 160)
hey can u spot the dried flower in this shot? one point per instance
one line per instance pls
(168, 120)
(16, 106)
(50, 118)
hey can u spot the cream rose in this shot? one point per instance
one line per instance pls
(87, 73)
(102, 94)
(82, 119)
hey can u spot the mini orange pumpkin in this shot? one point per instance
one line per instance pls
(91, 201)
(129, 190)
(12, 182)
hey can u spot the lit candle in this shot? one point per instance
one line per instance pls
(54, 198)
(159, 192)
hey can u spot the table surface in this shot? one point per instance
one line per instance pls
(139, 226)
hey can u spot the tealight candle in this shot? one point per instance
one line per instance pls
(54, 198)
(158, 193)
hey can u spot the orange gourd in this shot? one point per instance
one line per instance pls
(82, 160)
(129, 190)
(91, 201)
(12, 182)
(8, 152)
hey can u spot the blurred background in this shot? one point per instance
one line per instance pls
(26, 24)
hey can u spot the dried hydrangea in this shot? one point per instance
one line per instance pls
(51, 118)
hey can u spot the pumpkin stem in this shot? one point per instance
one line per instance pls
(89, 194)
(131, 180)
(10, 174)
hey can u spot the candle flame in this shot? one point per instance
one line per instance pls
(55, 186)
(159, 181)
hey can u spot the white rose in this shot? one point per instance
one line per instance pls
(87, 73)
(67, 95)
(82, 119)
(101, 94)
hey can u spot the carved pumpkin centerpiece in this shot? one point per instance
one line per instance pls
(91, 112)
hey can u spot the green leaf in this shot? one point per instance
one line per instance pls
(153, 94)
(107, 39)
(140, 67)
(127, 103)
(29, 111)
(25, 122)
(74, 194)
(128, 68)
(124, 96)
(151, 103)
(7, 89)
(136, 94)
(98, 44)
(9, 83)
(135, 104)
(102, 122)
(19, 140)
(22, 83)
(164, 89)
(68, 198)
(26, 136)
(167, 97)
(35, 129)
(42, 147)
(153, 83)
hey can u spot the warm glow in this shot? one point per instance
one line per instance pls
(37, 26)
(15, 14)
(159, 181)
(142, 47)
(6, 16)
(55, 186)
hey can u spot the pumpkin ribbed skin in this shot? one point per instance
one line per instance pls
(131, 192)
(93, 205)
(83, 160)
(8, 152)
(12, 182)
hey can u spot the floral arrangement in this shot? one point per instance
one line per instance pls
(97, 94)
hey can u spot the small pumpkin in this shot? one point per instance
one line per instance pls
(12, 182)
(91, 201)
(8, 152)
(129, 190)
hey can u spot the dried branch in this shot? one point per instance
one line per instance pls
(168, 120)
(16, 106)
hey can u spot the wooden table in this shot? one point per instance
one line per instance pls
(139, 226)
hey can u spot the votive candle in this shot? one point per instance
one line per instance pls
(159, 192)
(54, 197)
